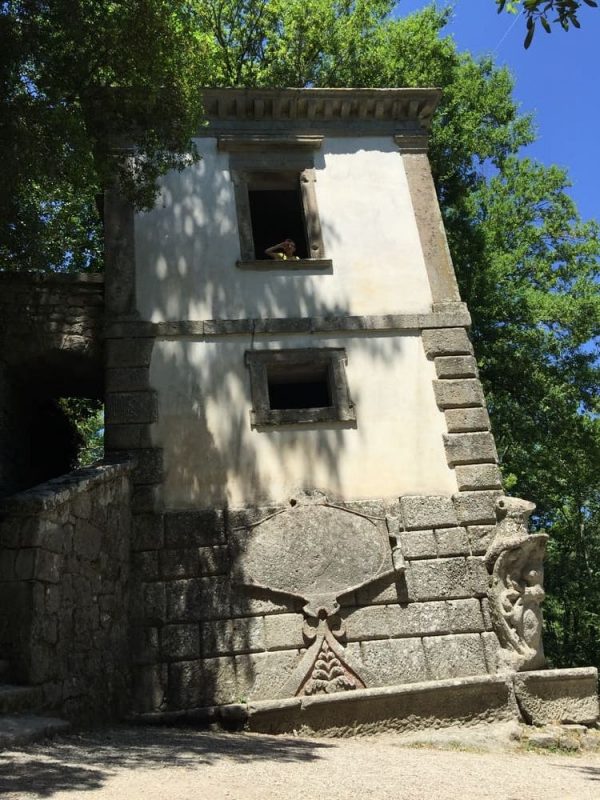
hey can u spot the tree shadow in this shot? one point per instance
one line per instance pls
(85, 762)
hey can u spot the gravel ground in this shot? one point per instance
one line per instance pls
(181, 764)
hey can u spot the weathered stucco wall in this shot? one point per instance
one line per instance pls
(64, 593)
(187, 247)
(212, 456)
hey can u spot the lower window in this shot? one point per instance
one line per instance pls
(299, 387)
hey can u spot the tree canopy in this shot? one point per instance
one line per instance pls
(78, 80)
(526, 263)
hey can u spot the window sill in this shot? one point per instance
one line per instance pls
(305, 264)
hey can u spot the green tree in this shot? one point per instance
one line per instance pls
(543, 11)
(78, 80)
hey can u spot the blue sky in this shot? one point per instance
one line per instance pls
(557, 78)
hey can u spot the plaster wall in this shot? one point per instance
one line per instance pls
(212, 456)
(187, 246)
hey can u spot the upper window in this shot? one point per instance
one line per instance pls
(276, 200)
(299, 386)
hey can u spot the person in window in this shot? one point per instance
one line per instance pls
(283, 251)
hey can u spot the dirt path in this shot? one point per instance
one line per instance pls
(175, 764)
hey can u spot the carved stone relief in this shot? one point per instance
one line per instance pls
(317, 552)
(514, 560)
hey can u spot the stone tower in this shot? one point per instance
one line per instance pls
(320, 535)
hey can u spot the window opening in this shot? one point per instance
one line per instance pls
(276, 213)
(299, 386)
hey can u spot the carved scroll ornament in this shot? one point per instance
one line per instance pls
(515, 561)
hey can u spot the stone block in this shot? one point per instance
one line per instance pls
(149, 684)
(492, 652)
(454, 656)
(385, 590)
(178, 642)
(144, 645)
(465, 420)
(456, 367)
(154, 609)
(464, 616)
(452, 542)
(128, 352)
(202, 682)
(24, 564)
(126, 408)
(48, 566)
(181, 563)
(284, 631)
(127, 379)
(470, 448)
(127, 437)
(261, 675)
(458, 393)
(145, 565)
(478, 476)
(485, 613)
(478, 576)
(442, 578)
(227, 637)
(87, 541)
(447, 341)
(418, 544)
(253, 602)
(480, 537)
(145, 499)
(368, 623)
(147, 532)
(389, 661)
(148, 466)
(184, 600)
(213, 560)
(422, 512)
(194, 528)
(475, 508)
(567, 696)
(7, 564)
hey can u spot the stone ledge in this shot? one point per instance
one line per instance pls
(447, 319)
(401, 707)
(60, 490)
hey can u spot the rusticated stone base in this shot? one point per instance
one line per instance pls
(558, 695)
(432, 704)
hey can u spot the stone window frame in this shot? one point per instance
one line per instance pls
(243, 167)
(335, 358)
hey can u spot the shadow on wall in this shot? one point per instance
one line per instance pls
(187, 272)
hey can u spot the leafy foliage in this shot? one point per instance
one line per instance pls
(540, 10)
(80, 79)
(87, 419)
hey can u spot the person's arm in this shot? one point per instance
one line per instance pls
(273, 251)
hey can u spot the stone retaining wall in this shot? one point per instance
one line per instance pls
(199, 639)
(64, 593)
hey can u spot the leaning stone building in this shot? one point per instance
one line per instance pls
(303, 524)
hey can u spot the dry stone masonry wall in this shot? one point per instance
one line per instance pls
(64, 591)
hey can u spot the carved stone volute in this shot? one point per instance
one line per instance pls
(514, 560)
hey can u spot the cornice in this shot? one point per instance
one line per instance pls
(347, 109)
